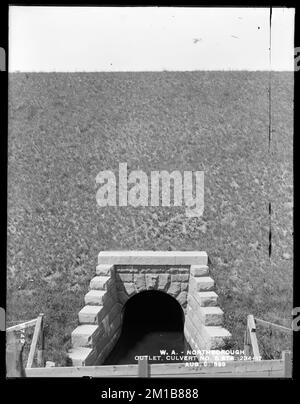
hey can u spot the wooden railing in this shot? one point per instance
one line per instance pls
(14, 349)
(279, 368)
(250, 339)
(241, 369)
(251, 344)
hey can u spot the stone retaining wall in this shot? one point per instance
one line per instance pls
(120, 275)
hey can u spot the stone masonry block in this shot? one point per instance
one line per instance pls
(104, 270)
(193, 334)
(196, 303)
(193, 303)
(211, 315)
(207, 315)
(203, 283)
(106, 348)
(89, 314)
(209, 298)
(178, 270)
(184, 286)
(152, 257)
(125, 269)
(216, 335)
(180, 278)
(151, 281)
(182, 298)
(129, 288)
(174, 289)
(199, 270)
(113, 312)
(207, 337)
(123, 297)
(153, 269)
(98, 298)
(92, 358)
(78, 356)
(100, 282)
(82, 335)
(140, 282)
(124, 277)
(163, 281)
(110, 331)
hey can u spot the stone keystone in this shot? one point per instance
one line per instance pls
(151, 281)
(163, 281)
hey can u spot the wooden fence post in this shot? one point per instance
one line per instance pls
(143, 367)
(41, 345)
(36, 335)
(287, 363)
(251, 327)
(247, 347)
(14, 360)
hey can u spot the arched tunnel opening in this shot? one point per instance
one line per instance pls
(153, 322)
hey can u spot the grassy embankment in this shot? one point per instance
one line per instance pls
(65, 128)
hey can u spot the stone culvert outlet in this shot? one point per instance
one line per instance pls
(121, 274)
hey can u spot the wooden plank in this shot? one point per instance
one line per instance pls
(274, 374)
(143, 367)
(81, 371)
(287, 360)
(22, 326)
(39, 372)
(269, 368)
(267, 323)
(34, 341)
(231, 367)
(247, 344)
(252, 334)
(41, 347)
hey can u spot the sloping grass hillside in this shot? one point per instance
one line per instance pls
(66, 127)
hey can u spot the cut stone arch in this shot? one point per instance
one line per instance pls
(152, 295)
(120, 275)
(131, 280)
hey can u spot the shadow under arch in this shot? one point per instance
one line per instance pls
(151, 321)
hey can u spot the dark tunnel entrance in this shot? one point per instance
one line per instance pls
(152, 321)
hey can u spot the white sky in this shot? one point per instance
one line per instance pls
(149, 39)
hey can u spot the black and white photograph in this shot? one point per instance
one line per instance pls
(150, 193)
